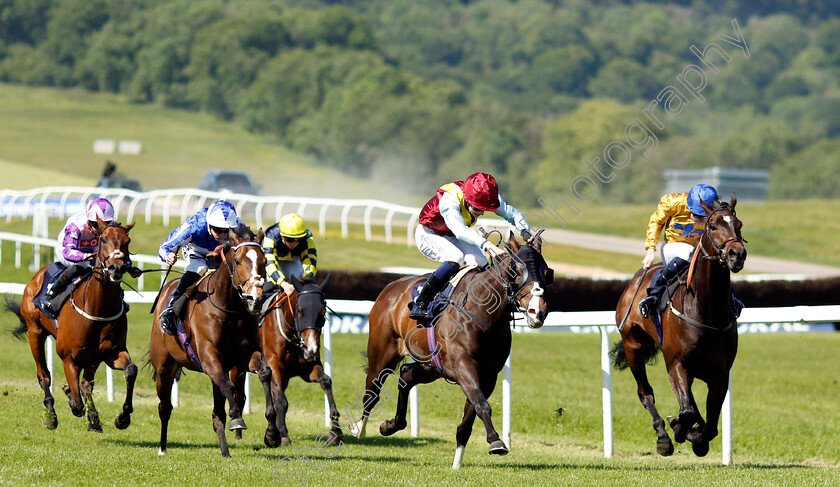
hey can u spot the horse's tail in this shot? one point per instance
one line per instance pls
(13, 305)
(366, 365)
(618, 356)
(147, 363)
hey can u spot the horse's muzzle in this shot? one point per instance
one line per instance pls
(735, 258)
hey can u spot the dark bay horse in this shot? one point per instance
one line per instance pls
(473, 336)
(221, 324)
(290, 338)
(91, 329)
(699, 333)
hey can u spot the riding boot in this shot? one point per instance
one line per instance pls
(434, 284)
(176, 304)
(672, 270)
(60, 285)
(737, 306)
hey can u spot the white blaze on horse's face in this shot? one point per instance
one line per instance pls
(255, 280)
(310, 351)
(537, 307)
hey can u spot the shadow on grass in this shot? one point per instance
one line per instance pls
(647, 468)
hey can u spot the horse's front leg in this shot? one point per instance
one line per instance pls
(681, 383)
(219, 400)
(213, 368)
(470, 383)
(317, 375)
(123, 362)
(71, 372)
(705, 433)
(462, 435)
(87, 396)
(263, 371)
(411, 374)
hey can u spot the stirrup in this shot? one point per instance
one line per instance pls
(419, 311)
(644, 306)
(167, 324)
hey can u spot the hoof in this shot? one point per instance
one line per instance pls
(701, 448)
(122, 421)
(285, 441)
(237, 424)
(271, 440)
(498, 447)
(336, 438)
(665, 449)
(50, 420)
(238, 435)
(95, 427)
(389, 427)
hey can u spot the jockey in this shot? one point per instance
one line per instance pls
(197, 236)
(684, 220)
(444, 236)
(77, 243)
(290, 251)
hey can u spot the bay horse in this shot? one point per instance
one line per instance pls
(290, 336)
(88, 330)
(472, 333)
(221, 327)
(699, 332)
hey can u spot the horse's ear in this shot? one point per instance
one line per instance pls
(512, 243)
(706, 208)
(101, 226)
(295, 280)
(733, 201)
(260, 236)
(325, 283)
(128, 227)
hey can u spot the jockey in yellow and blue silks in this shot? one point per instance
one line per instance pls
(444, 236)
(289, 251)
(683, 218)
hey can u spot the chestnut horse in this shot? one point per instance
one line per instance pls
(89, 330)
(290, 338)
(221, 326)
(699, 333)
(473, 339)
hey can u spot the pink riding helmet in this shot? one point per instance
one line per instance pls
(102, 208)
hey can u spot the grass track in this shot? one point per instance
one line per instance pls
(785, 425)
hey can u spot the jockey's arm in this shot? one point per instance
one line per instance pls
(178, 237)
(70, 243)
(309, 259)
(450, 209)
(514, 217)
(272, 270)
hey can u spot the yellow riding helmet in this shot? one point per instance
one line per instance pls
(292, 226)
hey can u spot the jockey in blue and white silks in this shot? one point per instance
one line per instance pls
(196, 237)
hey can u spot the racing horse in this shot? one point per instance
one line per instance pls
(472, 334)
(699, 332)
(290, 336)
(220, 327)
(90, 330)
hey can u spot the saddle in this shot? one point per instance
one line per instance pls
(51, 275)
(441, 300)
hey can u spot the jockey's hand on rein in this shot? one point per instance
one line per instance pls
(134, 272)
(491, 249)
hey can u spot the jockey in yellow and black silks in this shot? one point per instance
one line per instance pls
(290, 251)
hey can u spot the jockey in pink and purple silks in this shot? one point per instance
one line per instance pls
(77, 243)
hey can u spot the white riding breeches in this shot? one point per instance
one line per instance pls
(443, 248)
(670, 250)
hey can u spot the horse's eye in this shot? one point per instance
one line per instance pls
(712, 227)
(236, 261)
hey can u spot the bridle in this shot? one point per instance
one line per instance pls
(238, 283)
(100, 266)
(720, 250)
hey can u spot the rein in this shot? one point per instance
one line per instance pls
(97, 268)
(238, 284)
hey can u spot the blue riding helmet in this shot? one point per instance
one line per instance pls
(700, 192)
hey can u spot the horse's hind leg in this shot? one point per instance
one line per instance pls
(36, 343)
(219, 419)
(411, 374)
(636, 358)
(87, 397)
(165, 378)
(123, 362)
(382, 358)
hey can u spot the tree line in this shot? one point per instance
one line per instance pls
(419, 93)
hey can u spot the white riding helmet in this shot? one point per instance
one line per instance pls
(221, 214)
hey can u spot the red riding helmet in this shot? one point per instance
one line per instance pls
(482, 191)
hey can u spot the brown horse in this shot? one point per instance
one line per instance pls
(290, 338)
(91, 329)
(221, 325)
(699, 333)
(473, 336)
